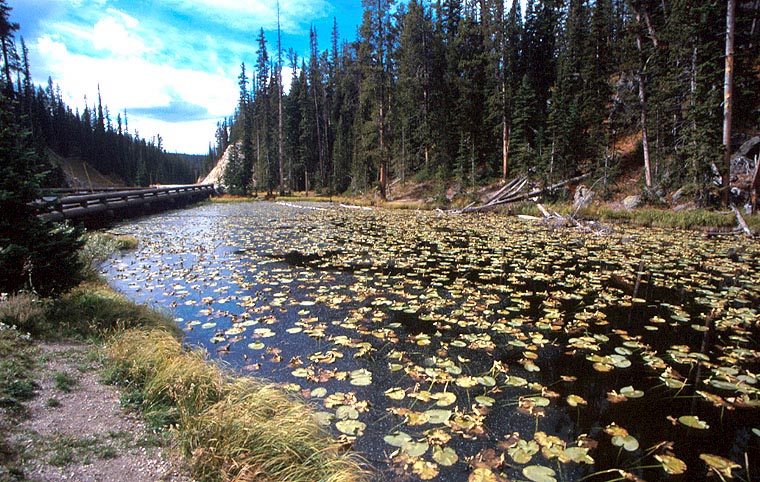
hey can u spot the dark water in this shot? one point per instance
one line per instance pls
(476, 306)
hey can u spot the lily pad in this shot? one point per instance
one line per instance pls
(671, 464)
(720, 464)
(539, 473)
(445, 456)
(398, 439)
(693, 421)
(351, 427)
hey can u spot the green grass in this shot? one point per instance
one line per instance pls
(94, 310)
(64, 382)
(17, 362)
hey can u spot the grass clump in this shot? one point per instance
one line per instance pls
(17, 361)
(98, 246)
(23, 312)
(93, 309)
(64, 382)
(231, 428)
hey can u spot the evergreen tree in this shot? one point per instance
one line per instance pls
(34, 254)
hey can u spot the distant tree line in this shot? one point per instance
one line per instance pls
(92, 135)
(473, 90)
(39, 255)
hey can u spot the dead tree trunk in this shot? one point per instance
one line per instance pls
(728, 89)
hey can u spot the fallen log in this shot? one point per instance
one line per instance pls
(521, 197)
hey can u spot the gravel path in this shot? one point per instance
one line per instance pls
(77, 431)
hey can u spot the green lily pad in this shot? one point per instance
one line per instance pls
(256, 345)
(628, 442)
(398, 439)
(539, 473)
(630, 392)
(396, 393)
(344, 412)
(445, 456)
(351, 427)
(693, 421)
(720, 464)
(670, 464)
(414, 448)
(361, 377)
(436, 416)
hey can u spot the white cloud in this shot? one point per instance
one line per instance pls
(141, 84)
(183, 137)
(295, 15)
(111, 34)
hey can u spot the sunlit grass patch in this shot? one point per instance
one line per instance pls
(23, 310)
(94, 309)
(231, 428)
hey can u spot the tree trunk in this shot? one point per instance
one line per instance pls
(728, 89)
(279, 107)
(643, 101)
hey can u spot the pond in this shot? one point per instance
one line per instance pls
(475, 347)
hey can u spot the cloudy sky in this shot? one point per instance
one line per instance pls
(172, 64)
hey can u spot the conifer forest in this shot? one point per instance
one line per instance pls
(476, 90)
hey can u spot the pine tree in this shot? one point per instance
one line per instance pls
(34, 254)
(374, 50)
(7, 45)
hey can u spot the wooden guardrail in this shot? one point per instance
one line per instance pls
(125, 201)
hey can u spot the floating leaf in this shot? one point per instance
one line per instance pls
(438, 416)
(425, 470)
(324, 418)
(415, 448)
(628, 442)
(344, 412)
(575, 400)
(319, 392)
(720, 464)
(396, 393)
(693, 421)
(444, 399)
(485, 400)
(398, 439)
(256, 345)
(672, 465)
(445, 456)
(523, 451)
(539, 473)
(630, 392)
(351, 427)
(483, 474)
(361, 377)
(578, 455)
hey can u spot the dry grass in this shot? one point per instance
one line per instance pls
(233, 429)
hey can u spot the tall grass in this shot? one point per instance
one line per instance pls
(93, 309)
(232, 429)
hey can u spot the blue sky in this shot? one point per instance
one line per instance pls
(172, 64)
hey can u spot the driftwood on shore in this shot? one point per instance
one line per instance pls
(513, 192)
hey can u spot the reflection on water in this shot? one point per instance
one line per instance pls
(495, 340)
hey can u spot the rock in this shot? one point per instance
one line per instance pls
(689, 206)
(677, 195)
(583, 197)
(631, 202)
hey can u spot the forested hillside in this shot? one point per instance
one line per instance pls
(92, 134)
(473, 90)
